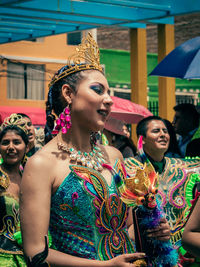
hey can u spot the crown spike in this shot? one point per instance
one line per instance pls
(87, 57)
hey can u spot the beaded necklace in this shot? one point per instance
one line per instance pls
(93, 159)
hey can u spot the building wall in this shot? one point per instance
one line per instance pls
(50, 51)
(186, 27)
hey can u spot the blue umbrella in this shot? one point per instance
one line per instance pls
(182, 62)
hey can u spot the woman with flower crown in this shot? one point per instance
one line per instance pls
(66, 191)
(13, 148)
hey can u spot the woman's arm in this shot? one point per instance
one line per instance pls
(35, 197)
(191, 234)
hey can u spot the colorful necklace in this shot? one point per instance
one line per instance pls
(4, 179)
(93, 159)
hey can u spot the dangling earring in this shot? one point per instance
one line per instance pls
(63, 122)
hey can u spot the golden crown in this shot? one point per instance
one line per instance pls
(17, 120)
(87, 57)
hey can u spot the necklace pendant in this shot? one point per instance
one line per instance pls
(73, 156)
(89, 164)
(78, 159)
(95, 168)
(83, 161)
(99, 167)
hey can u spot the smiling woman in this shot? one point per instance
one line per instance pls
(13, 147)
(66, 191)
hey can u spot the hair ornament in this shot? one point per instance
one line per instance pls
(87, 57)
(15, 120)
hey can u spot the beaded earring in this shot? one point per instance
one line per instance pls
(63, 122)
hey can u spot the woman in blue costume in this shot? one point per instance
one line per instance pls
(65, 189)
(13, 147)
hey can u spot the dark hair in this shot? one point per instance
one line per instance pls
(173, 143)
(24, 115)
(142, 126)
(55, 102)
(188, 111)
(17, 130)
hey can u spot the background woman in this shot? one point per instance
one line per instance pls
(13, 147)
(65, 189)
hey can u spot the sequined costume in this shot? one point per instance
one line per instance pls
(175, 183)
(10, 253)
(87, 218)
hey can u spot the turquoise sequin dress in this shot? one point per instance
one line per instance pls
(87, 217)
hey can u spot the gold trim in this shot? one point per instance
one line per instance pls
(16, 120)
(4, 179)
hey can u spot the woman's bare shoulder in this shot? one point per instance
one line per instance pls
(42, 162)
(112, 153)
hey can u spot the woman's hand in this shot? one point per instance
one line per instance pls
(161, 232)
(126, 260)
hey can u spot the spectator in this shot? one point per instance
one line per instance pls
(31, 135)
(174, 174)
(117, 135)
(126, 131)
(186, 125)
(13, 147)
(173, 149)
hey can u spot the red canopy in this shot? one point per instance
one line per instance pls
(37, 115)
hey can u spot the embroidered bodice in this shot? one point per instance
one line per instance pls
(87, 218)
(175, 190)
(9, 215)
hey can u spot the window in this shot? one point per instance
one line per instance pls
(25, 81)
(74, 38)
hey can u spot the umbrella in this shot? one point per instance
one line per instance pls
(127, 111)
(182, 62)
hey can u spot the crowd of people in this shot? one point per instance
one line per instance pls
(60, 203)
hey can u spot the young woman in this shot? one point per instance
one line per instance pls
(65, 189)
(13, 147)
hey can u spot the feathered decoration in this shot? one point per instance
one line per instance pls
(140, 190)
